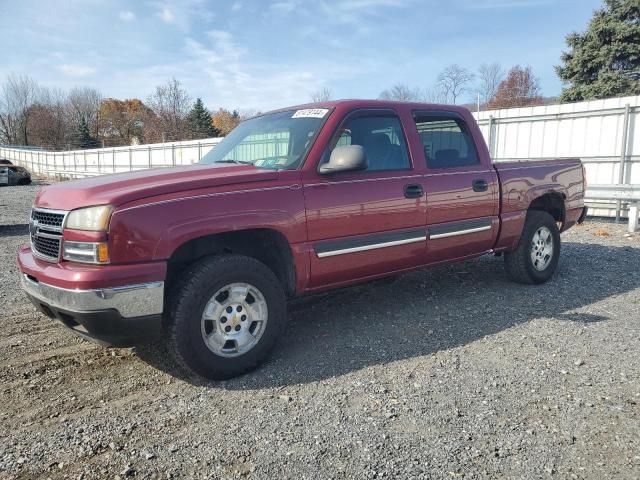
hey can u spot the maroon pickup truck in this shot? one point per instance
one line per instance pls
(294, 201)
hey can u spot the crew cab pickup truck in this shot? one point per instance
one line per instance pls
(291, 202)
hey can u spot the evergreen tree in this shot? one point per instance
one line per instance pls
(604, 61)
(199, 122)
(82, 136)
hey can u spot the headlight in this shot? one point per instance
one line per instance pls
(94, 219)
(86, 252)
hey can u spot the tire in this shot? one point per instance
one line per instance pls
(198, 343)
(520, 264)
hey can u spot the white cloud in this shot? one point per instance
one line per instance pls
(167, 15)
(76, 70)
(127, 16)
(236, 6)
(233, 78)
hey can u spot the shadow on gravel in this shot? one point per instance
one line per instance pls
(424, 312)
(14, 230)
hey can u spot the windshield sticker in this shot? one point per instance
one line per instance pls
(311, 113)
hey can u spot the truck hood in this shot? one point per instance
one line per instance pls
(122, 188)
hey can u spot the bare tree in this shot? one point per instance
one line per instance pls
(84, 102)
(49, 123)
(324, 94)
(434, 95)
(401, 93)
(19, 93)
(454, 81)
(521, 88)
(170, 103)
(489, 78)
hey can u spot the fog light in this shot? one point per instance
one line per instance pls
(86, 252)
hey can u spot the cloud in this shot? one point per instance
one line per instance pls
(232, 77)
(127, 16)
(285, 6)
(236, 6)
(76, 70)
(167, 15)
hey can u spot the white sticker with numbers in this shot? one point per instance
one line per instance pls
(311, 113)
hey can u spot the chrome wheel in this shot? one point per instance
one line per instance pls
(234, 319)
(542, 248)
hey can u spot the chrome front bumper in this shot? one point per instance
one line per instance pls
(129, 301)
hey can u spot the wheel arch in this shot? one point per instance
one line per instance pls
(266, 245)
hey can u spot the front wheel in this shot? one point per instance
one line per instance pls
(536, 257)
(225, 316)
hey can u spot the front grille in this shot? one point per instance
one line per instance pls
(47, 218)
(46, 246)
(46, 233)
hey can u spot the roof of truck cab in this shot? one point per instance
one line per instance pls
(355, 103)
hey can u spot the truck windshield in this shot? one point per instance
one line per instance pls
(276, 140)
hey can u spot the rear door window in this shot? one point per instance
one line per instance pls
(446, 142)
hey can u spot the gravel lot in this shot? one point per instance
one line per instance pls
(452, 372)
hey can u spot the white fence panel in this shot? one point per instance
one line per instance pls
(592, 131)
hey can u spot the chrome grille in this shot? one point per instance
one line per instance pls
(47, 246)
(47, 218)
(45, 229)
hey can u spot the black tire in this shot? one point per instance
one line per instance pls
(519, 264)
(186, 305)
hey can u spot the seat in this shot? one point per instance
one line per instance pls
(381, 153)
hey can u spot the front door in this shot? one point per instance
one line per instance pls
(362, 224)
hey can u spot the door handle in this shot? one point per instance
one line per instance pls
(413, 191)
(480, 185)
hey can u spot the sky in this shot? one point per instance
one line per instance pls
(264, 54)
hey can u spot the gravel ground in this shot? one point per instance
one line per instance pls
(452, 372)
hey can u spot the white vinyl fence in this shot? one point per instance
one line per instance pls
(99, 161)
(605, 134)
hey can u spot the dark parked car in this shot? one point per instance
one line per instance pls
(14, 175)
(4, 161)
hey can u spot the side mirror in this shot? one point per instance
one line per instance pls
(345, 159)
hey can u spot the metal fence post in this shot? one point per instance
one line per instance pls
(149, 154)
(173, 154)
(490, 140)
(130, 158)
(623, 155)
(113, 160)
(199, 151)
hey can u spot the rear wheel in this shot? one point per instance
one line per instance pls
(225, 316)
(536, 257)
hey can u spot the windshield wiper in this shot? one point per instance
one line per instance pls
(237, 162)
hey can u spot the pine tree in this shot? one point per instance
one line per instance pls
(199, 122)
(604, 61)
(82, 137)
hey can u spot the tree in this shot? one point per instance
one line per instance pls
(48, 120)
(170, 104)
(604, 61)
(402, 93)
(122, 121)
(82, 136)
(454, 81)
(489, 78)
(85, 102)
(224, 121)
(19, 94)
(322, 95)
(199, 122)
(521, 88)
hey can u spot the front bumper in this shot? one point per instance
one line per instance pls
(118, 316)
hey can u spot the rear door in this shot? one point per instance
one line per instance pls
(370, 222)
(461, 185)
